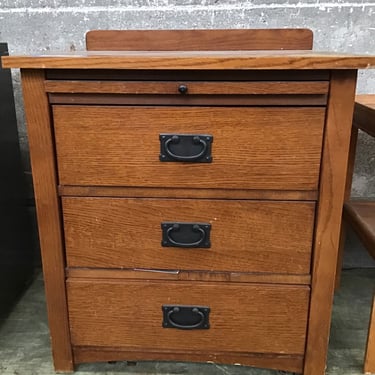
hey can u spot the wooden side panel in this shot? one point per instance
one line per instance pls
(245, 236)
(179, 40)
(47, 205)
(253, 148)
(251, 318)
(332, 186)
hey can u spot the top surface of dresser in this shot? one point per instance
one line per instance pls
(192, 60)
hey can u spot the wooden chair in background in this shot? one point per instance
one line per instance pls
(360, 214)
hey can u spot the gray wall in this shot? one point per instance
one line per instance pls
(34, 26)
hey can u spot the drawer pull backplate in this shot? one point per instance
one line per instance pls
(186, 235)
(186, 317)
(186, 147)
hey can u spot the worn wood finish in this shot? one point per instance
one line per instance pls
(276, 316)
(193, 87)
(253, 148)
(190, 100)
(124, 192)
(292, 363)
(360, 215)
(193, 60)
(364, 113)
(187, 75)
(246, 236)
(199, 40)
(332, 186)
(47, 205)
(148, 274)
(369, 366)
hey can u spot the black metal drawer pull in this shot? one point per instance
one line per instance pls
(186, 235)
(186, 317)
(186, 147)
(182, 89)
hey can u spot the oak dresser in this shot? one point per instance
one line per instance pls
(189, 201)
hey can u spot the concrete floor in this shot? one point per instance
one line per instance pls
(25, 347)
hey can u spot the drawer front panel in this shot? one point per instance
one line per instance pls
(252, 148)
(247, 236)
(243, 317)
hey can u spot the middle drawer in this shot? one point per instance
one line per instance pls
(243, 235)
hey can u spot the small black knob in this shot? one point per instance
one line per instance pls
(182, 89)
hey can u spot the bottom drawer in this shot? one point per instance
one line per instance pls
(251, 318)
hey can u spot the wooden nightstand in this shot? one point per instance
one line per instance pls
(189, 202)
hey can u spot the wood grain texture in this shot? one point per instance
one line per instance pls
(192, 40)
(193, 87)
(246, 236)
(190, 100)
(193, 60)
(369, 366)
(47, 205)
(253, 148)
(124, 192)
(332, 186)
(364, 113)
(360, 215)
(292, 363)
(148, 274)
(248, 318)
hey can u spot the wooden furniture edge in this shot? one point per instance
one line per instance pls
(47, 205)
(193, 60)
(331, 198)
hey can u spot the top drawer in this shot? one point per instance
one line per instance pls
(188, 88)
(252, 148)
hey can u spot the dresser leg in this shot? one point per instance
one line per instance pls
(331, 198)
(39, 128)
